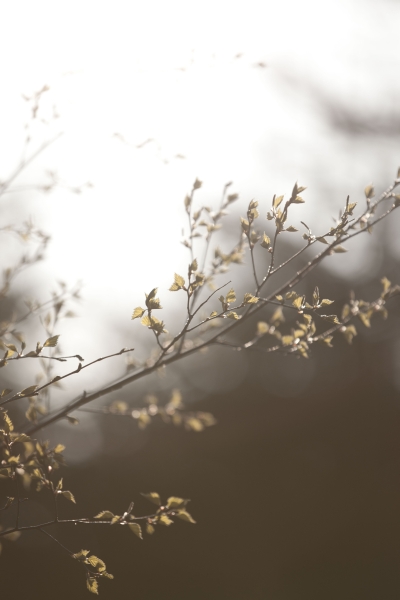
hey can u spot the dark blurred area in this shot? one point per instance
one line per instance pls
(295, 494)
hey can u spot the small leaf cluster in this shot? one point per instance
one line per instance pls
(95, 569)
(173, 412)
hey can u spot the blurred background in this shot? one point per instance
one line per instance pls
(296, 489)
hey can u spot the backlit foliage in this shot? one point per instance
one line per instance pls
(288, 322)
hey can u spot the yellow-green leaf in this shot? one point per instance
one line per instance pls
(115, 519)
(245, 224)
(137, 530)
(11, 347)
(92, 585)
(29, 391)
(250, 299)
(51, 342)
(69, 496)
(194, 424)
(81, 554)
(266, 242)
(149, 529)
(232, 315)
(165, 520)
(175, 502)
(152, 302)
(138, 313)
(278, 316)
(231, 296)
(12, 536)
(96, 563)
(179, 280)
(276, 201)
(185, 516)
(153, 497)
(5, 422)
(287, 340)
(298, 302)
(349, 333)
(386, 286)
(262, 328)
(104, 515)
(365, 318)
(350, 207)
(331, 318)
(326, 302)
(369, 191)
(59, 448)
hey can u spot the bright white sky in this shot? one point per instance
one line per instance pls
(167, 71)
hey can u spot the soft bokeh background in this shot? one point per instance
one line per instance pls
(294, 489)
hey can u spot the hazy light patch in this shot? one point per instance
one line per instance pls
(239, 91)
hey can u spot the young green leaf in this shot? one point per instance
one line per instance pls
(153, 497)
(51, 342)
(185, 516)
(276, 201)
(231, 296)
(92, 585)
(331, 318)
(29, 391)
(179, 280)
(326, 302)
(152, 302)
(250, 299)
(138, 313)
(165, 520)
(232, 315)
(298, 302)
(175, 502)
(150, 529)
(68, 495)
(59, 448)
(266, 242)
(136, 529)
(104, 515)
(96, 563)
(369, 191)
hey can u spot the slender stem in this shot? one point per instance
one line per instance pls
(55, 540)
(26, 162)
(18, 498)
(59, 378)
